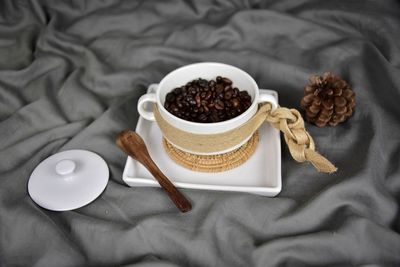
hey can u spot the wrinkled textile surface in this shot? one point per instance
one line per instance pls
(71, 73)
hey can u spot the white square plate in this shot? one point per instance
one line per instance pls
(261, 174)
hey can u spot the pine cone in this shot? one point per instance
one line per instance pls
(328, 100)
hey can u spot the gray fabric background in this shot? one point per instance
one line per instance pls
(70, 76)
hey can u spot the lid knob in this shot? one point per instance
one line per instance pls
(65, 167)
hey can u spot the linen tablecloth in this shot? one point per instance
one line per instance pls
(71, 73)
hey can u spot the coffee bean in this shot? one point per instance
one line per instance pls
(170, 97)
(208, 95)
(228, 94)
(243, 94)
(219, 105)
(174, 108)
(219, 88)
(197, 98)
(207, 101)
(192, 90)
(203, 83)
(202, 117)
(235, 102)
(227, 88)
(214, 116)
(177, 91)
(226, 81)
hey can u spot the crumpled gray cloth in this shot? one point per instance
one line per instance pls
(71, 73)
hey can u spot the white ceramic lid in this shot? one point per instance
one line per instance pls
(68, 180)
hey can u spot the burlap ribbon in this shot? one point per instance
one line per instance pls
(289, 121)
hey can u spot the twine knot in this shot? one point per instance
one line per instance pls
(301, 144)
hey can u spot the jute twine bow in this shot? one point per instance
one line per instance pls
(289, 121)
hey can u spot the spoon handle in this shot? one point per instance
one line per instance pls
(132, 144)
(176, 196)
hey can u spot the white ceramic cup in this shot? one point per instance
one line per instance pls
(208, 71)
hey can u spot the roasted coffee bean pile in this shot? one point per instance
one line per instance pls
(207, 101)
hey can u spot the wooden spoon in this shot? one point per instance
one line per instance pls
(133, 145)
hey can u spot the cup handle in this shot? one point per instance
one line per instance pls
(148, 115)
(268, 98)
